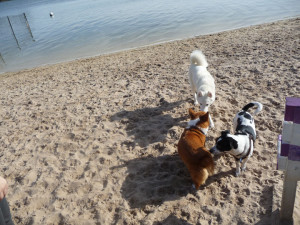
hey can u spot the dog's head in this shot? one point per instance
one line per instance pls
(224, 143)
(199, 119)
(205, 99)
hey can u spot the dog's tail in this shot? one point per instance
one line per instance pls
(258, 109)
(198, 59)
(199, 177)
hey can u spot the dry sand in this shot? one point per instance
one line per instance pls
(93, 141)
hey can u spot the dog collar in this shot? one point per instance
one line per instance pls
(240, 132)
(196, 128)
(246, 130)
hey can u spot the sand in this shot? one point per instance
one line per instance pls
(93, 141)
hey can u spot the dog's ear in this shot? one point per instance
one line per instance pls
(200, 94)
(204, 117)
(209, 94)
(192, 113)
(225, 132)
(233, 144)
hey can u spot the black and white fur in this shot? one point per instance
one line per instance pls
(240, 144)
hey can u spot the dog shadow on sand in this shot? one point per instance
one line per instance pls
(154, 180)
(149, 125)
(172, 220)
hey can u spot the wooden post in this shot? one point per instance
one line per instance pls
(28, 26)
(13, 32)
(2, 58)
(291, 177)
(289, 157)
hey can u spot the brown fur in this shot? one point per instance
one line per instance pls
(192, 151)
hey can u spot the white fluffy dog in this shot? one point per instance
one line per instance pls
(202, 82)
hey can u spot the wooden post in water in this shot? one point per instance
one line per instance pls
(13, 32)
(2, 59)
(28, 26)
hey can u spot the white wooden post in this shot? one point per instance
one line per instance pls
(288, 158)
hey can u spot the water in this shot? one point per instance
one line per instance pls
(93, 27)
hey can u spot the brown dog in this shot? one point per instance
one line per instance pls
(191, 148)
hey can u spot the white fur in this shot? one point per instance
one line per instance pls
(244, 143)
(259, 107)
(202, 82)
(194, 122)
(245, 160)
(247, 122)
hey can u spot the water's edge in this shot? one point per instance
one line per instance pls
(137, 47)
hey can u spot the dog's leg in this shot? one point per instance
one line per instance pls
(211, 122)
(238, 169)
(244, 163)
(196, 101)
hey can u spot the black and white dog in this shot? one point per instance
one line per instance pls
(240, 144)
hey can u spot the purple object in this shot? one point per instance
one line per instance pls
(294, 153)
(284, 149)
(292, 113)
(292, 109)
(290, 151)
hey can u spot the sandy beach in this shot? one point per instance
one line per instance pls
(94, 141)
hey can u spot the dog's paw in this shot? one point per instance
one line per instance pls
(237, 173)
(244, 169)
(211, 122)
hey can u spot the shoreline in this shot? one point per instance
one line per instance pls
(145, 46)
(94, 140)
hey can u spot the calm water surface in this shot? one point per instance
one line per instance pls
(29, 37)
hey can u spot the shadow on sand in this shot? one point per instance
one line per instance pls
(172, 220)
(154, 180)
(150, 125)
